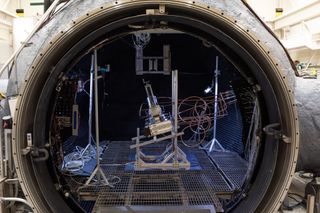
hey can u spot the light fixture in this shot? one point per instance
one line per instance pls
(209, 89)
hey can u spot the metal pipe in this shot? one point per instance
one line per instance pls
(96, 108)
(214, 140)
(215, 114)
(89, 145)
(11, 181)
(90, 100)
(310, 204)
(15, 199)
(45, 157)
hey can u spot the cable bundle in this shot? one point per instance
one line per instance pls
(195, 115)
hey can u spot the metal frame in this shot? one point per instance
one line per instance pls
(174, 157)
(159, 209)
(153, 62)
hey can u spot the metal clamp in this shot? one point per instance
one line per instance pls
(272, 129)
(35, 151)
(37, 156)
(160, 11)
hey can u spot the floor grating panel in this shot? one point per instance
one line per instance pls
(199, 186)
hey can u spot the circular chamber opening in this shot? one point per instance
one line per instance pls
(186, 109)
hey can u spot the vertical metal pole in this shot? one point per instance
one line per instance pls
(310, 204)
(89, 146)
(175, 111)
(96, 107)
(138, 157)
(215, 114)
(8, 151)
(91, 98)
(1, 155)
(98, 171)
(317, 202)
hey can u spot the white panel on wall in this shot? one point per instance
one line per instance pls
(264, 9)
(22, 27)
(32, 8)
(6, 41)
(289, 5)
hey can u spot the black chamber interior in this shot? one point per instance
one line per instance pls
(121, 91)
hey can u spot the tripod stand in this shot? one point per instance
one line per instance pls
(214, 143)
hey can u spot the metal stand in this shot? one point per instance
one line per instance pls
(90, 148)
(173, 156)
(214, 143)
(101, 178)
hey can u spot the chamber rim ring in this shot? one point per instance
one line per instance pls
(115, 6)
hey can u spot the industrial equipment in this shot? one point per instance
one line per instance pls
(260, 130)
(157, 124)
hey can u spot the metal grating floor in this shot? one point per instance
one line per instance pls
(231, 166)
(199, 186)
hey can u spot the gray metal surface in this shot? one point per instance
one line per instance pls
(77, 8)
(308, 97)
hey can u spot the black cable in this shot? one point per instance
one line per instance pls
(295, 194)
(295, 199)
(298, 202)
